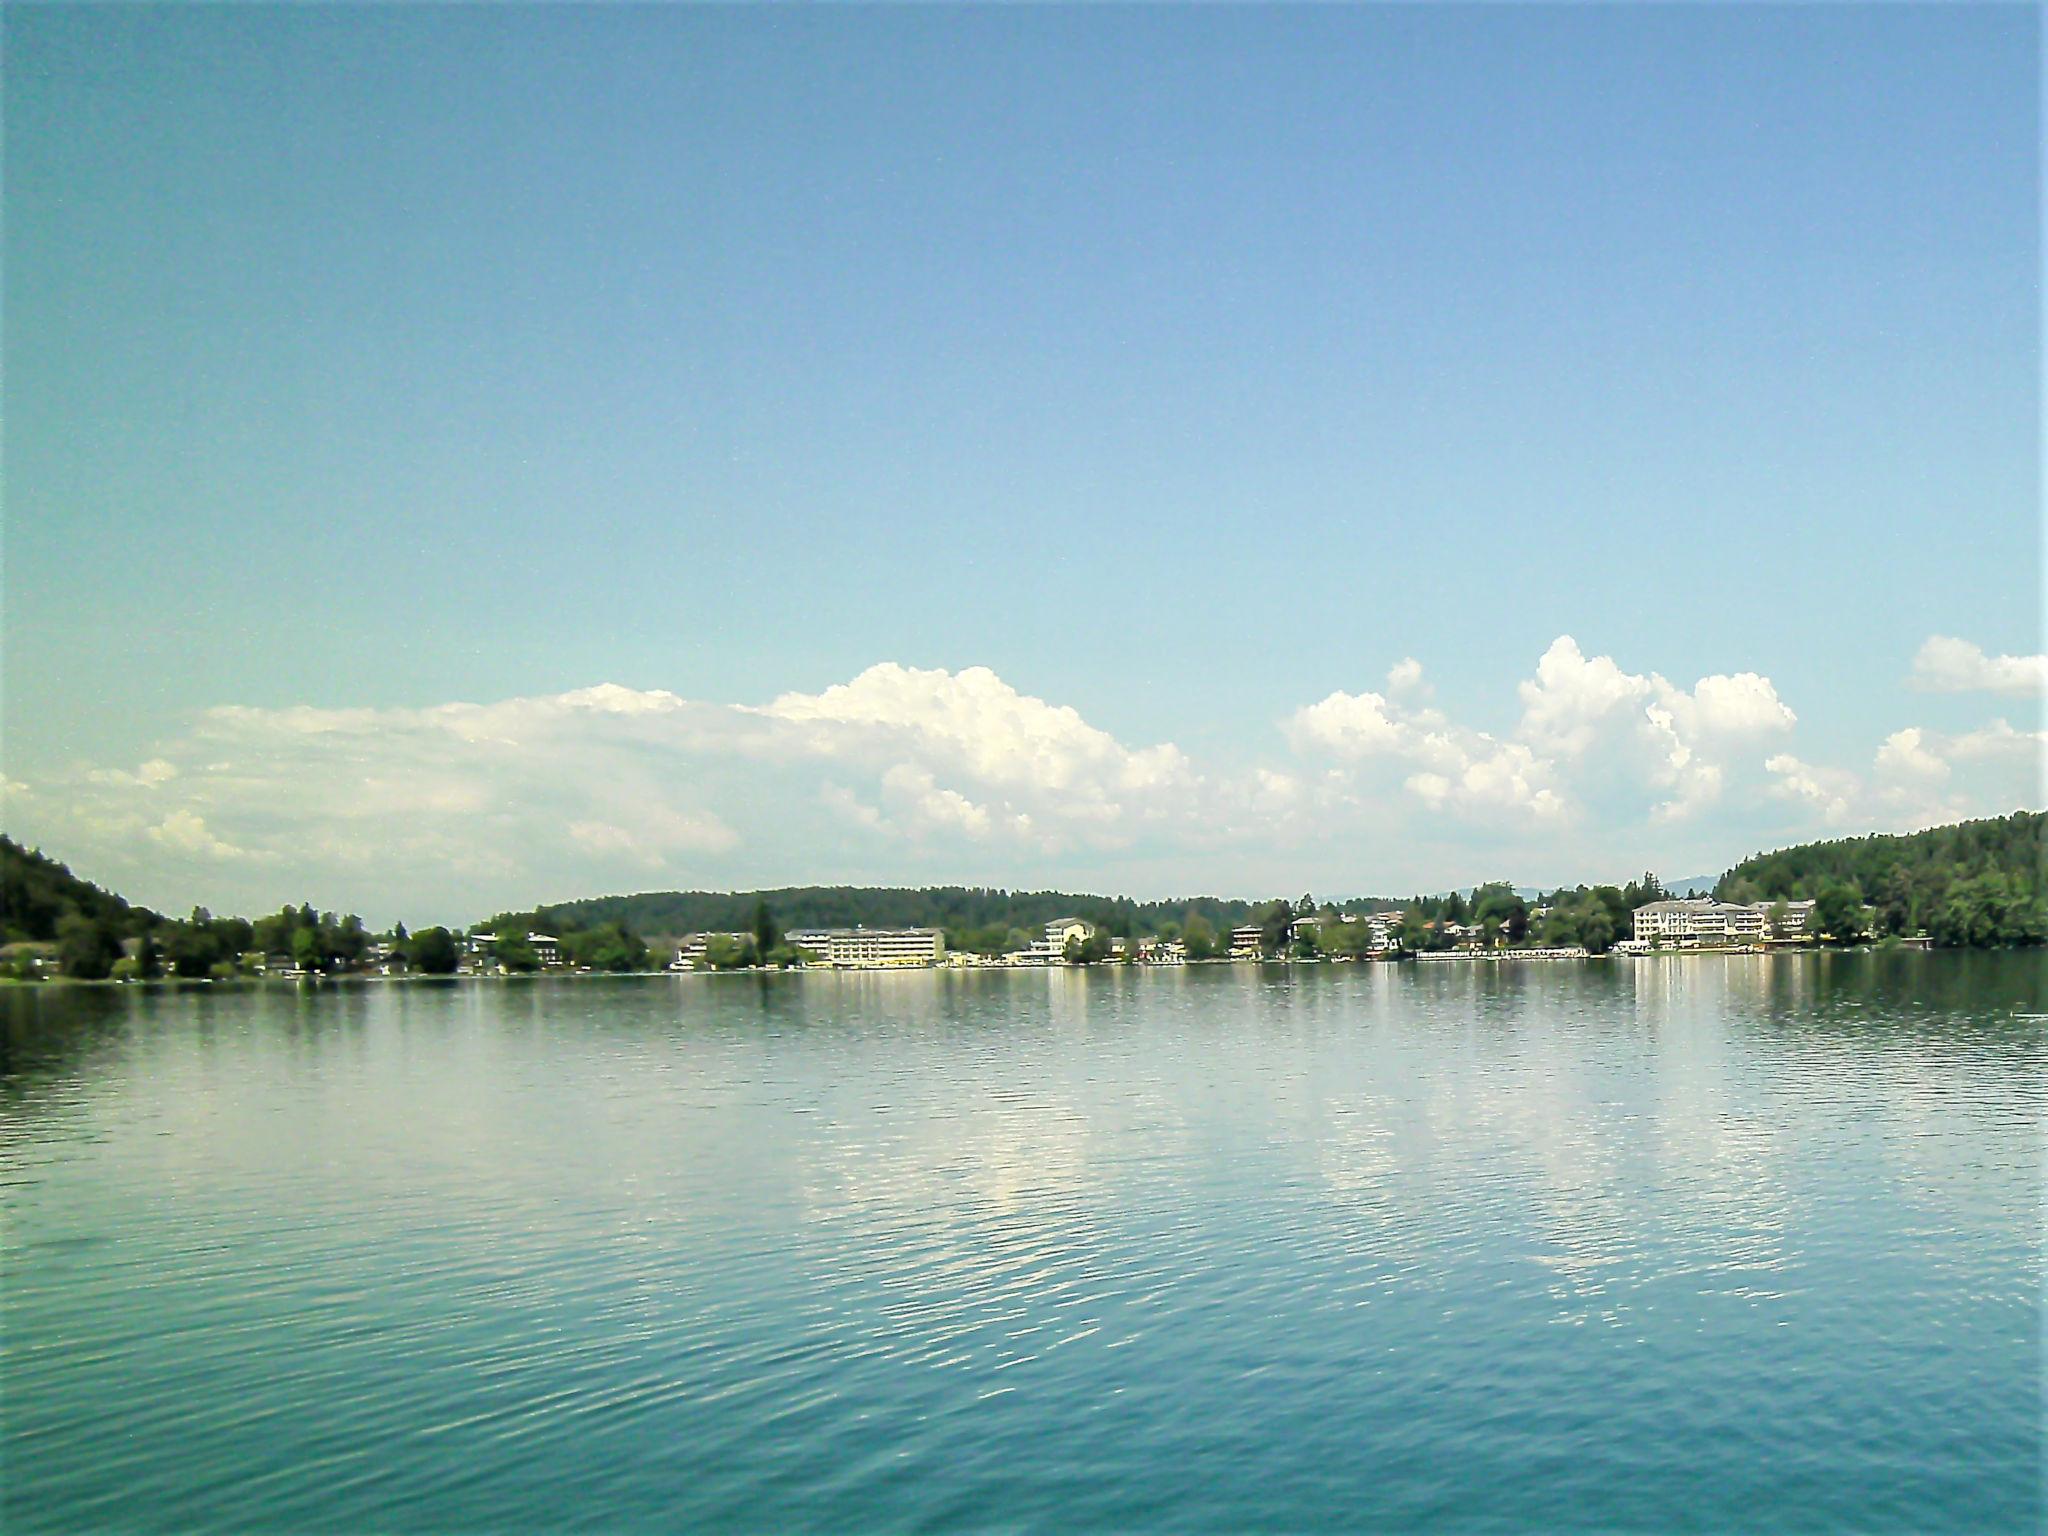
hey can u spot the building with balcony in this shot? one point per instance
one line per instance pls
(1699, 920)
(870, 948)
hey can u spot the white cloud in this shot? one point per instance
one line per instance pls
(907, 774)
(1584, 719)
(979, 723)
(1998, 740)
(183, 832)
(1920, 777)
(1572, 695)
(1738, 706)
(1906, 755)
(1348, 725)
(1945, 664)
(1831, 791)
(611, 787)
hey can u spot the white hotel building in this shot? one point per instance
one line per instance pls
(1704, 920)
(869, 948)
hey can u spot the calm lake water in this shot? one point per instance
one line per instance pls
(1684, 1244)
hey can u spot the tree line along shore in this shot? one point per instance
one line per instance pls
(1973, 884)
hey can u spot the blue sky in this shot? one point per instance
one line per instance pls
(1185, 369)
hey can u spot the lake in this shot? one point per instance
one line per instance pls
(1698, 1243)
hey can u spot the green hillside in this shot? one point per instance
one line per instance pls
(37, 894)
(1977, 882)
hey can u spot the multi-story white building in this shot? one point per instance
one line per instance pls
(868, 948)
(1051, 947)
(814, 942)
(1795, 917)
(1699, 920)
(1247, 939)
(690, 950)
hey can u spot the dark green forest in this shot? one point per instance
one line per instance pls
(37, 895)
(1977, 883)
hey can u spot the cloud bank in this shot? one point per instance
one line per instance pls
(1948, 665)
(904, 774)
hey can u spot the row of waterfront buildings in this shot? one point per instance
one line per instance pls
(890, 948)
(1684, 923)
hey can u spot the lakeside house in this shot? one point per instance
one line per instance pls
(692, 947)
(1051, 947)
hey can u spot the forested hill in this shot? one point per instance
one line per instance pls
(1976, 874)
(37, 894)
(958, 909)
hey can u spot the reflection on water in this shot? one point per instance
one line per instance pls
(1522, 1247)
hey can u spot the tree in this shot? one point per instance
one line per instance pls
(1516, 923)
(1837, 913)
(346, 940)
(729, 951)
(1198, 934)
(192, 950)
(1895, 901)
(767, 937)
(1275, 924)
(1414, 931)
(433, 951)
(516, 954)
(149, 957)
(87, 947)
(1596, 930)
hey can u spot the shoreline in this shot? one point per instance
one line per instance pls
(1436, 957)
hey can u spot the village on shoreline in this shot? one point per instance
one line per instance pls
(1972, 885)
(1677, 925)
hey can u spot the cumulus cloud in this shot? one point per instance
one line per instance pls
(975, 722)
(1831, 791)
(1907, 755)
(1583, 718)
(1916, 778)
(612, 787)
(1349, 725)
(910, 774)
(1945, 664)
(183, 832)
